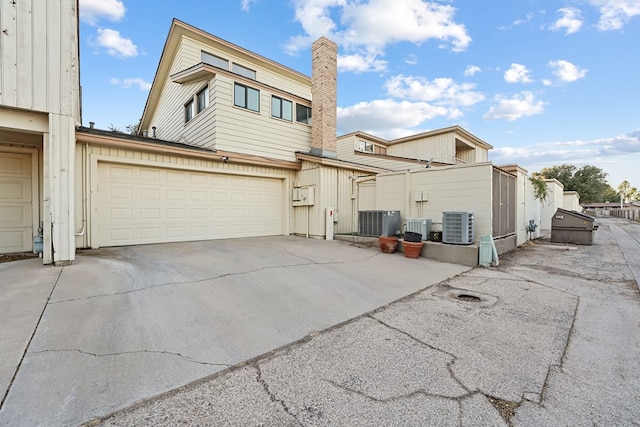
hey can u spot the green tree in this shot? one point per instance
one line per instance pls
(589, 181)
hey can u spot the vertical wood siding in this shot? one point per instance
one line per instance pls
(39, 56)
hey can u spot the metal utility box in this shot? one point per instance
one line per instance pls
(378, 223)
(572, 227)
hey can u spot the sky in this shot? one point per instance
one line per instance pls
(544, 82)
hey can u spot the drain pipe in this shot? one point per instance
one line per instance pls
(81, 233)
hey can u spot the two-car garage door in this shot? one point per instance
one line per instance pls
(140, 204)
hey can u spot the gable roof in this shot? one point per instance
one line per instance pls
(181, 29)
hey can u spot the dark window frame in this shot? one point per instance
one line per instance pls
(280, 113)
(307, 113)
(246, 98)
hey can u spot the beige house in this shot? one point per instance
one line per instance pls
(39, 112)
(230, 145)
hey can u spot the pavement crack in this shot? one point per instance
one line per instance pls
(260, 379)
(419, 392)
(405, 333)
(207, 279)
(125, 353)
(26, 349)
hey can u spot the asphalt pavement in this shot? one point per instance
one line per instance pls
(550, 337)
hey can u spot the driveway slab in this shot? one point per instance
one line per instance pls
(549, 338)
(125, 324)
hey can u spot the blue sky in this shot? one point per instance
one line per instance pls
(545, 82)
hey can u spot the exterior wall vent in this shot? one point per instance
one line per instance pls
(378, 223)
(420, 225)
(458, 228)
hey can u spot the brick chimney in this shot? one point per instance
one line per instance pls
(324, 73)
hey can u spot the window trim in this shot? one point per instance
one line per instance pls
(282, 102)
(219, 58)
(246, 97)
(189, 111)
(244, 71)
(205, 91)
(309, 115)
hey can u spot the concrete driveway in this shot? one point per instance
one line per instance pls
(124, 324)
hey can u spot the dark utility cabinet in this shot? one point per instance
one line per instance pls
(572, 227)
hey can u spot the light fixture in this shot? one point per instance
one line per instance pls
(225, 159)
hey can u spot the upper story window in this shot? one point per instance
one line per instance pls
(202, 99)
(370, 147)
(214, 60)
(243, 71)
(281, 108)
(188, 111)
(246, 97)
(196, 104)
(303, 114)
(365, 146)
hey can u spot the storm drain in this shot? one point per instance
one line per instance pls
(469, 298)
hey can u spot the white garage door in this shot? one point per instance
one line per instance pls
(15, 203)
(138, 205)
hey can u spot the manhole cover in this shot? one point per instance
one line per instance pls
(469, 298)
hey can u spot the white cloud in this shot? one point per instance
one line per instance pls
(472, 70)
(517, 74)
(389, 117)
(92, 10)
(246, 4)
(115, 44)
(442, 91)
(599, 151)
(571, 20)
(412, 59)
(529, 17)
(129, 82)
(361, 63)
(566, 72)
(615, 13)
(372, 25)
(521, 105)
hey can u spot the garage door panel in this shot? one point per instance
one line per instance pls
(168, 205)
(16, 204)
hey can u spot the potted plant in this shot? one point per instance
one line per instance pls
(388, 244)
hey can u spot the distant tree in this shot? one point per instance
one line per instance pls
(627, 192)
(133, 128)
(112, 128)
(588, 181)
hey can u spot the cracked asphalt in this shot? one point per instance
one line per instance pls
(122, 325)
(551, 337)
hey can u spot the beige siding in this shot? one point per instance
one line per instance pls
(347, 152)
(439, 147)
(451, 188)
(571, 201)
(222, 125)
(367, 196)
(333, 188)
(90, 155)
(39, 51)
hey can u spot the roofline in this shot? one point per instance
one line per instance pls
(364, 135)
(179, 28)
(134, 142)
(326, 161)
(453, 129)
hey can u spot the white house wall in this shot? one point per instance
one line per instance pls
(571, 201)
(553, 201)
(533, 207)
(450, 188)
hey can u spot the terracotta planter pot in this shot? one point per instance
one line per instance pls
(412, 249)
(388, 244)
